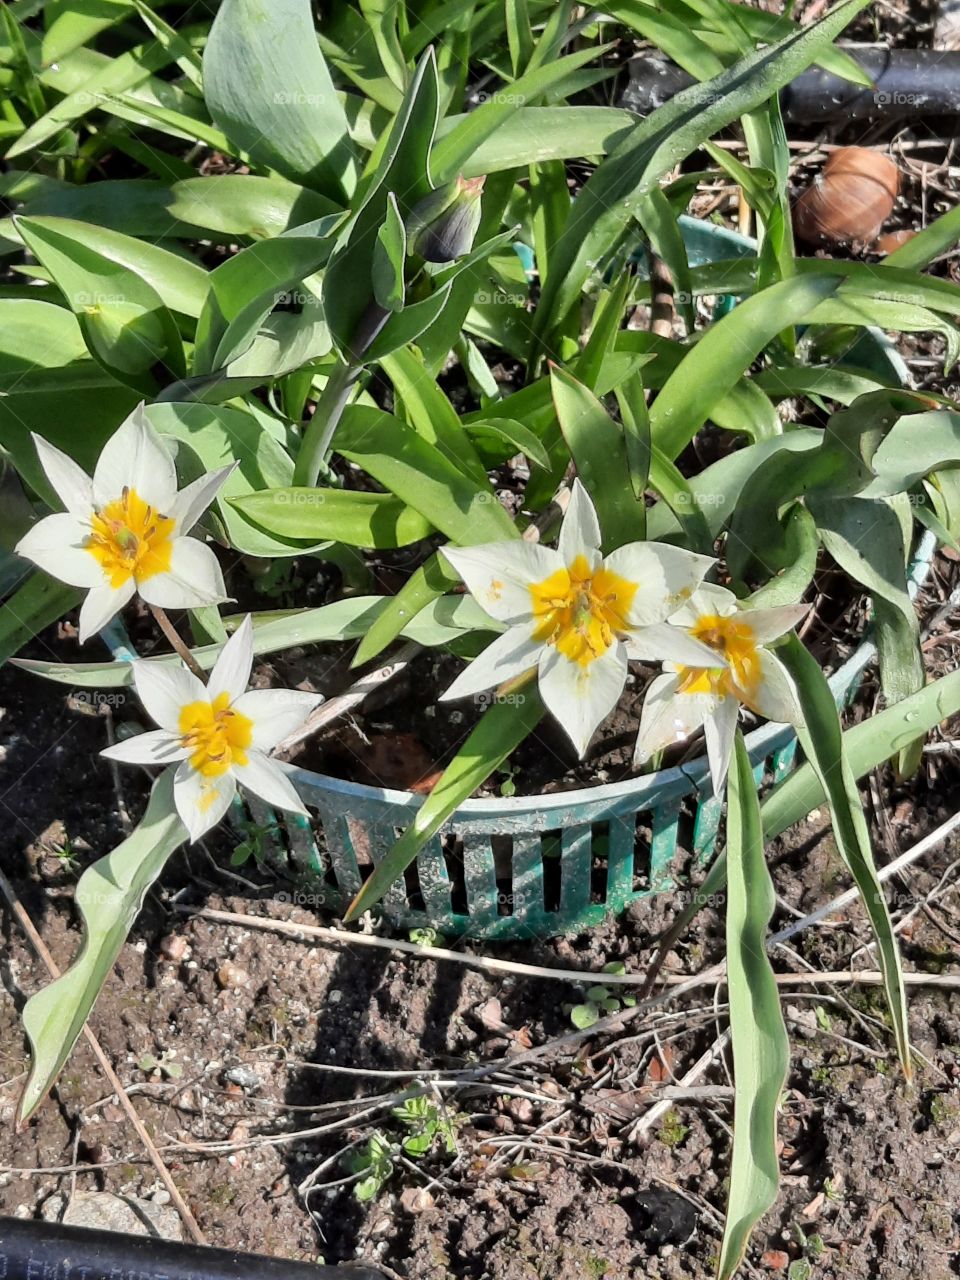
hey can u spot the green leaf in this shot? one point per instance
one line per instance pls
(866, 746)
(269, 89)
(865, 537)
(214, 437)
(109, 896)
(465, 509)
(603, 210)
(404, 169)
(521, 438)
(761, 1051)
(389, 259)
(939, 237)
(714, 366)
(584, 1015)
(635, 417)
(36, 604)
(425, 585)
(597, 446)
(375, 520)
(801, 545)
(346, 619)
(181, 284)
(455, 148)
(113, 76)
(223, 207)
(429, 411)
(503, 727)
(823, 745)
(246, 288)
(124, 323)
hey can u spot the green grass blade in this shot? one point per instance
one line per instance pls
(759, 1038)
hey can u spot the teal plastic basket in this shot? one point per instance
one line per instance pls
(529, 866)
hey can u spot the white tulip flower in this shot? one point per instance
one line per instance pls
(124, 531)
(689, 696)
(217, 734)
(569, 611)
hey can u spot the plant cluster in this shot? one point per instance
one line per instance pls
(285, 337)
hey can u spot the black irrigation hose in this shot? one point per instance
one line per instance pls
(34, 1250)
(908, 84)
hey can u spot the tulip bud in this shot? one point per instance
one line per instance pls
(442, 227)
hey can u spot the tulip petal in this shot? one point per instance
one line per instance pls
(719, 731)
(231, 674)
(775, 697)
(193, 579)
(707, 600)
(268, 779)
(275, 713)
(580, 697)
(509, 656)
(201, 802)
(770, 624)
(665, 577)
(668, 717)
(134, 458)
(165, 689)
(664, 643)
(191, 502)
(56, 545)
(580, 531)
(71, 483)
(156, 746)
(100, 605)
(499, 574)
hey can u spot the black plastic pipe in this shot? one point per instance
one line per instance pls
(34, 1250)
(909, 84)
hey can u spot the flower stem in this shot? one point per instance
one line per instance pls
(312, 458)
(173, 635)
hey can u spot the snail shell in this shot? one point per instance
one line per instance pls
(850, 200)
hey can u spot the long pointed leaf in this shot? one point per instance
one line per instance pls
(761, 1050)
(822, 741)
(109, 895)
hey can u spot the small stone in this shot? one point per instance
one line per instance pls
(174, 947)
(521, 1109)
(775, 1259)
(99, 1210)
(416, 1200)
(243, 1076)
(231, 976)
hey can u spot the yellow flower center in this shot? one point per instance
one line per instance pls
(129, 539)
(733, 639)
(216, 735)
(580, 612)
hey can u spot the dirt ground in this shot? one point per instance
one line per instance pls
(279, 1059)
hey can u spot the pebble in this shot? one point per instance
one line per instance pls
(416, 1200)
(775, 1259)
(244, 1076)
(230, 975)
(99, 1210)
(174, 947)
